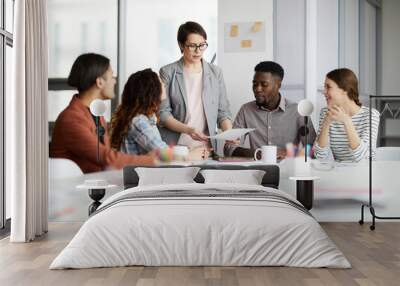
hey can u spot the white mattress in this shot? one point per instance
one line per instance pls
(183, 231)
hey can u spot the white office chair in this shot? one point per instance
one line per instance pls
(63, 168)
(64, 176)
(388, 154)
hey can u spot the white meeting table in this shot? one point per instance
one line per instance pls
(338, 192)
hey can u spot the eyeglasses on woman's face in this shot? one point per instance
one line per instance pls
(194, 47)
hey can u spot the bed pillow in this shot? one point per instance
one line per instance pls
(248, 177)
(166, 176)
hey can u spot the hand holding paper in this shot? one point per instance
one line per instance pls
(232, 134)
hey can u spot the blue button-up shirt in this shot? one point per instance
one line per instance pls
(143, 136)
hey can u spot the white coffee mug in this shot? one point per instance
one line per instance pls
(268, 154)
(180, 153)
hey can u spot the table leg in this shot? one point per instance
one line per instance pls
(305, 193)
(96, 195)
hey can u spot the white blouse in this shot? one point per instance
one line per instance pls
(195, 114)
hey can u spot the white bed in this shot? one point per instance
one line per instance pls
(201, 224)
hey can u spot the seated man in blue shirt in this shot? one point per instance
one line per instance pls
(274, 117)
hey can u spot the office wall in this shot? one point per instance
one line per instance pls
(327, 49)
(238, 68)
(149, 33)
(368, 50)
(390, 58)
(289, 46)
(327, 38)
(337, 41)
(349, 34)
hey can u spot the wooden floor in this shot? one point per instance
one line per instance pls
(374, 255)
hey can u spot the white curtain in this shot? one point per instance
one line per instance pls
(26, 117)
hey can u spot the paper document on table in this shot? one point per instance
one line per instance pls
(232, 134)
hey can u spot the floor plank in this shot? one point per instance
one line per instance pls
(374, 255)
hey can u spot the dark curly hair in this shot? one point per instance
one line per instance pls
(141, 95)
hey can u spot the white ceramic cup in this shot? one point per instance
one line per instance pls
(268, 154)
(180, 153)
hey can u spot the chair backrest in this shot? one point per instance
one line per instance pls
(270, 179)
(388, 154)
(63, 168)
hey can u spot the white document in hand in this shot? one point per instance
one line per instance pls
(232, 134)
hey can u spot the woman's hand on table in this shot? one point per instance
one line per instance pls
(281, 154)
(199, 153)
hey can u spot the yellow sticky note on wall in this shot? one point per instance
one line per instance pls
(245, 43)
(234, 32)
(256, 27)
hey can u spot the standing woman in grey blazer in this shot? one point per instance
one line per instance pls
(196, 101)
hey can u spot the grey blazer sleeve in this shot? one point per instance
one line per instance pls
(223, 102)
(165, 107)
